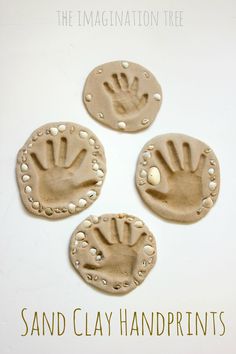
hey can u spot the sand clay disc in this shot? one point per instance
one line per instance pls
(60, 170)
(178, 177)
(122, 95)
(113, 252)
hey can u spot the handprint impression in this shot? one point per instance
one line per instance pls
(184, 183)
(124, 95)
(57, 180)
(117, 251)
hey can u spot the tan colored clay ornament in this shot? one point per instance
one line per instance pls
(178, 177)
(122, 95)
(113, 252)
(60, 170)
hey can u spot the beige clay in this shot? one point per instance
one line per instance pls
(113, 252)
(60, 170)
(122, 95)
(178, 177)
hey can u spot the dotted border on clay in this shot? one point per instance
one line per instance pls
(81, 241)
(121, 125)
(71, 208)
(207, 202)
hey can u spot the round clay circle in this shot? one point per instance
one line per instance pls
(113, 252)
(60, 170)
(122, 95)
(178, 177)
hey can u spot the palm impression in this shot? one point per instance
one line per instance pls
(113, 252)
(125, 96)
(178, 177)
(122, 95)
(60, 170)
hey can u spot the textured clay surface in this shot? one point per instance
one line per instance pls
(60, 170)
(122, 95)
(113, 252)
(178, 177)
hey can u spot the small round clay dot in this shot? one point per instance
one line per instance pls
(24, 167)
(145, 121)
(149, 250)
(157, 96)
(95, 166)
(30, 145)
(36, 205)
(82, 203)
(84, 244)
(211, 171)
(95, 219)
(83, 134)
(121, 125)
(117, 286)
(140, 273)
(143, 173)
(99, 71)
(80, 236)
(91, 194)
(100, 173)
(48, 211)
(207, 150)
(62, 128)
(28, 189)
(93, 251)
(212, 186)
(99, 183)
(88, 97)
(77, 263)
(125, 64)
(100, 115)
(25, 178)
(138, 223)
(87, 223)
(146, 155)
(71, 207)
(53, 131)
(91, 141)
(99, 257)
(207, 202)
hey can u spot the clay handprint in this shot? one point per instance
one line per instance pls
(113, 252)
(60, 170)
(178, 177)
(125, 95)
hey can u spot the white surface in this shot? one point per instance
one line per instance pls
(43, 69)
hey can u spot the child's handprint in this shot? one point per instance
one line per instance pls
(124, 95)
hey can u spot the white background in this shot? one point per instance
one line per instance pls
(43, 68)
